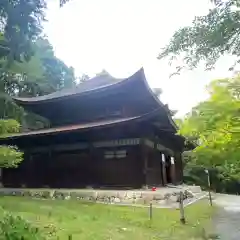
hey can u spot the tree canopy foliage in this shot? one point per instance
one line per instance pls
(20, 24)
(28, 67)
(208, 38)
(215, 125)
(42, 74)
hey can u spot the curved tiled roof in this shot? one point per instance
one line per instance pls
(101, 83)
(98, 82)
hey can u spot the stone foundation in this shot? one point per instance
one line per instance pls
(162, 196)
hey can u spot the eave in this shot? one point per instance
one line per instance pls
(86, 126)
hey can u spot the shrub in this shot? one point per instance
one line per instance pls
(220, 181)
(16, 228)
(10, 156)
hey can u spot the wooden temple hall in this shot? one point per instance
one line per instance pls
(106, 132)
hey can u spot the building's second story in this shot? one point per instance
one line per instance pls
(100, 98)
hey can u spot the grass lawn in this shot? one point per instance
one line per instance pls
(60, 218)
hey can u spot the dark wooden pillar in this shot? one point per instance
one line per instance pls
(30, 172)
(95, 163)
(179, 167)
(145, 165)
(48, 179)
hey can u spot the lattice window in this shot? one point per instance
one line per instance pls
(115, 154)
(109, 154)
(121, 154)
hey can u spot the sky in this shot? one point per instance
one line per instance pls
(121, 36)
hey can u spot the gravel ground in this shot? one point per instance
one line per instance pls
(226, 222)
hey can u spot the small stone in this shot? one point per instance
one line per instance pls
(121, 194)
(51, 194)
(68, 197)
(129, 195)
(45, 194)
(117, 200)
(188, 194)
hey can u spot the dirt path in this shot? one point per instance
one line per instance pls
(227, 220)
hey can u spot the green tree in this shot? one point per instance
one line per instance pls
(28, 67)
(44, 73)
(10, 156)
(215, 125)
(20, 24)
(208, 38)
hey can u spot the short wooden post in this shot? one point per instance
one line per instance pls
(150, 211)
(209, 187)
(181, 208)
